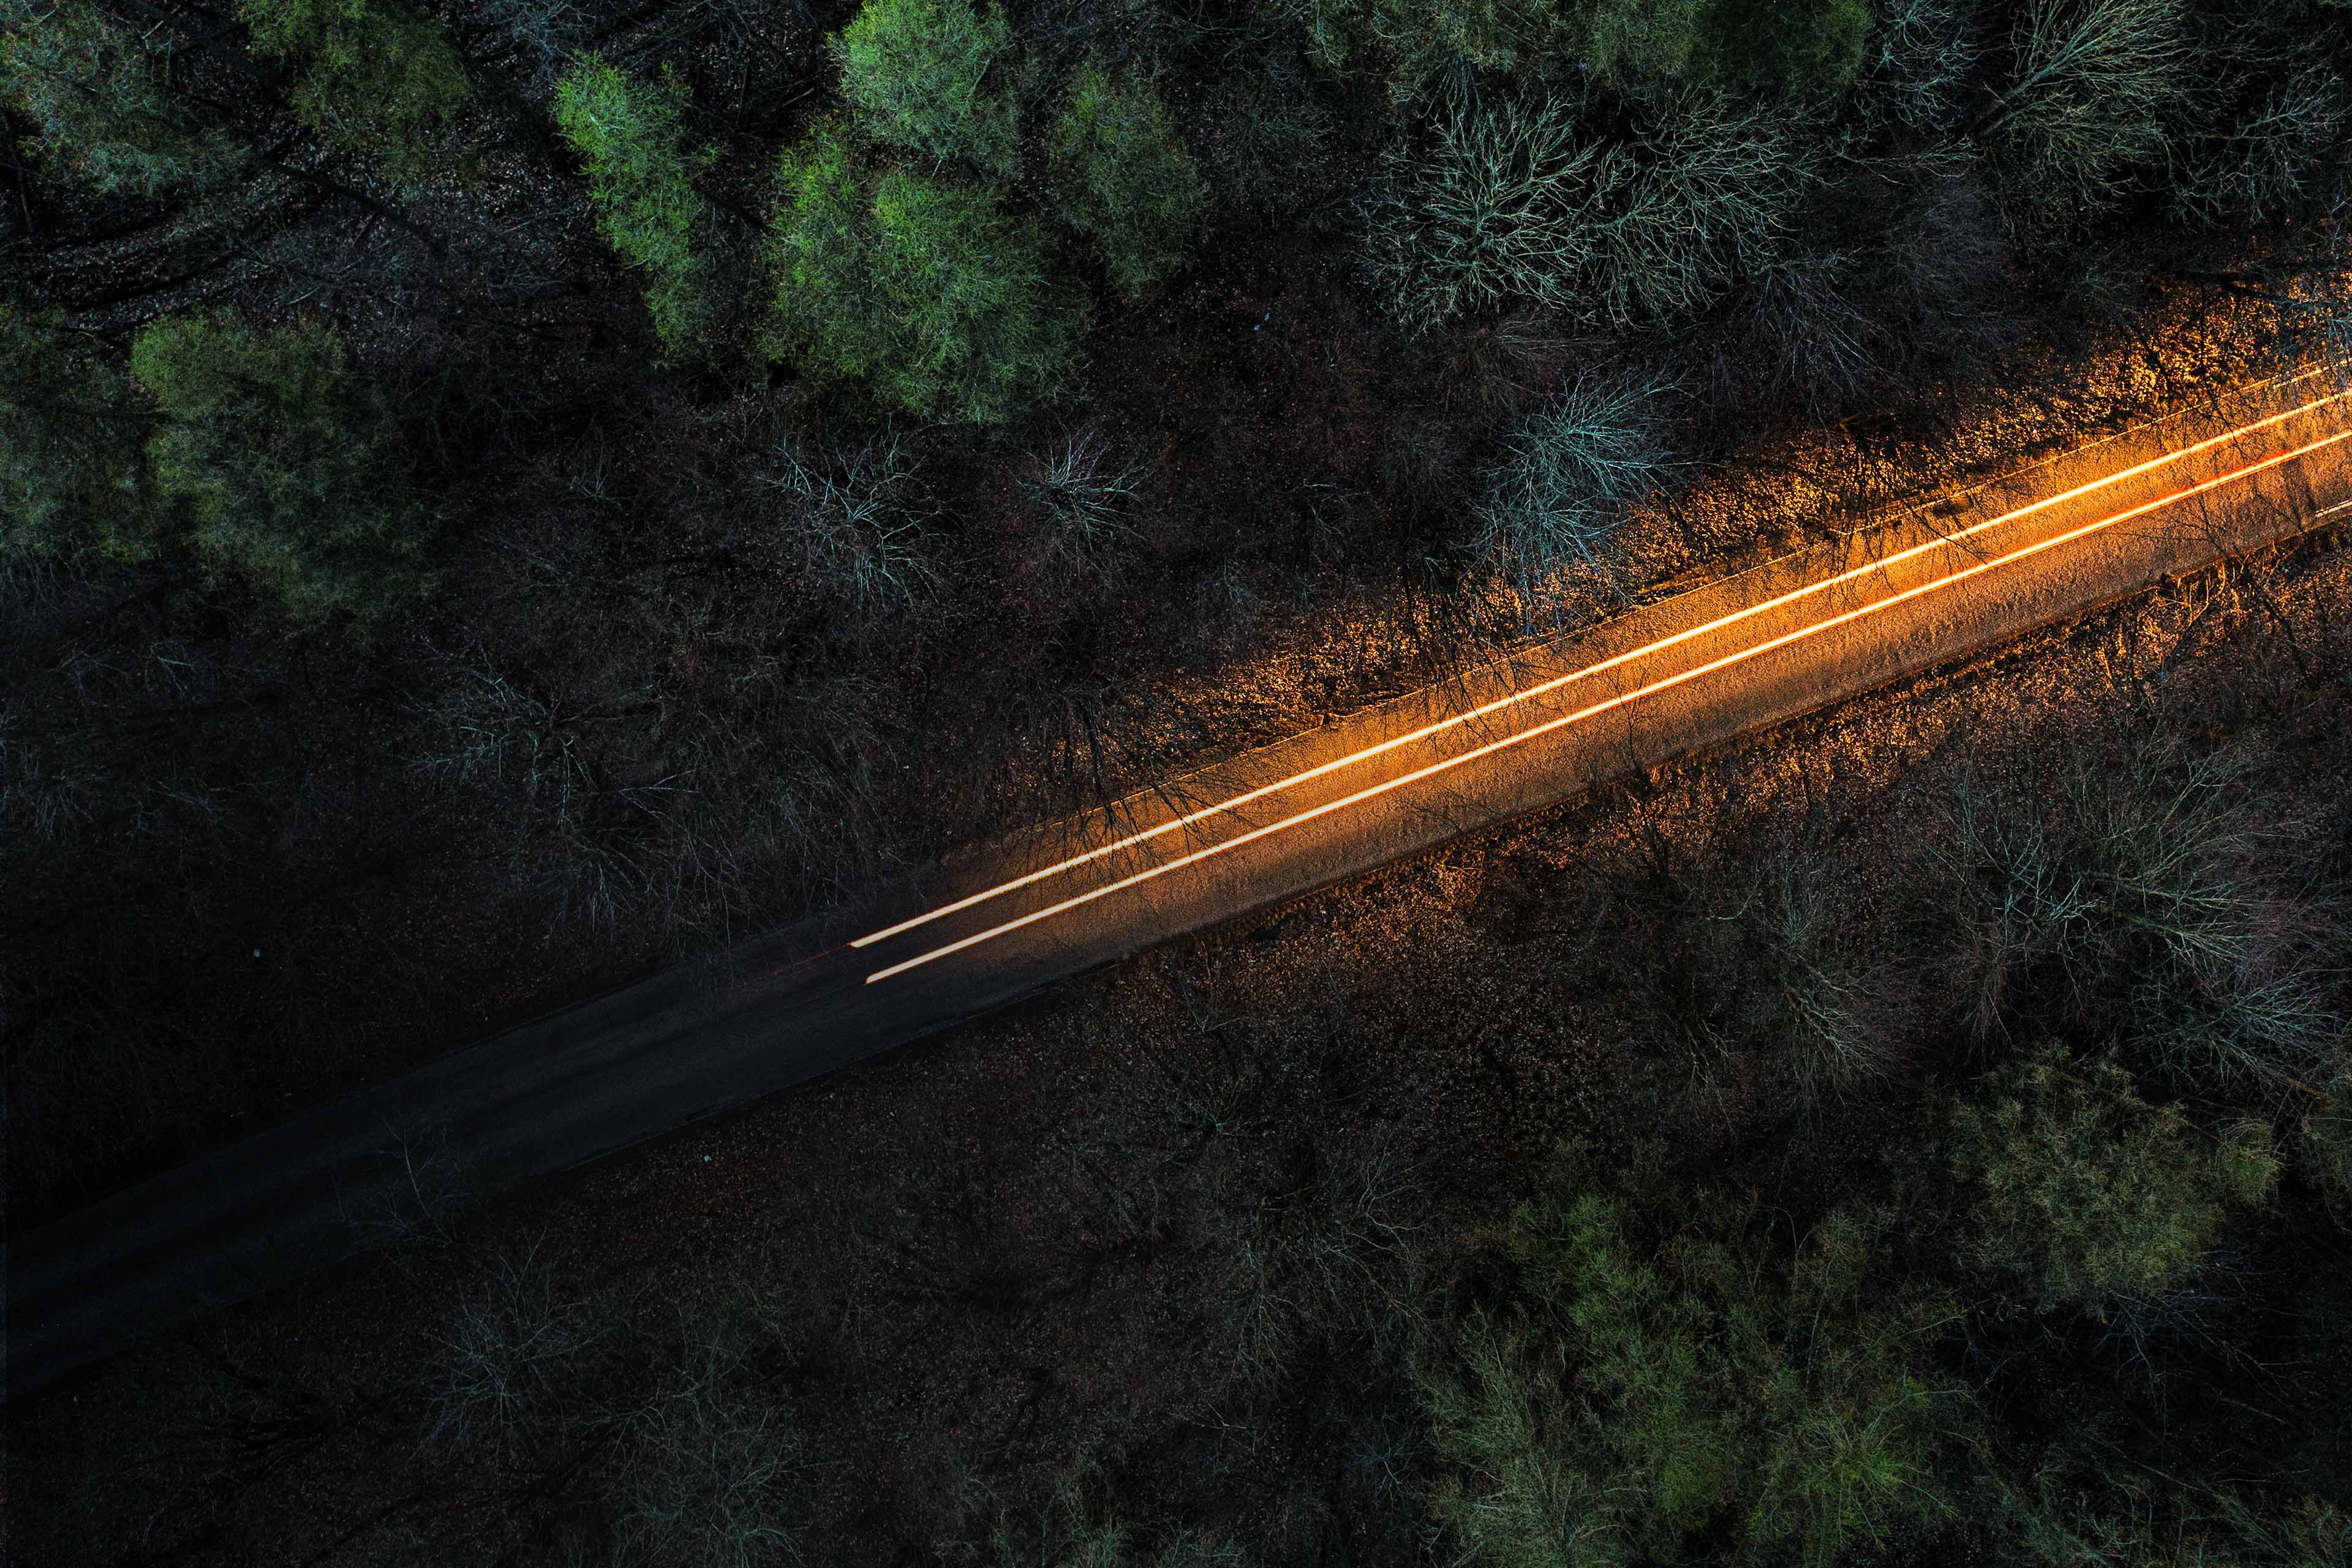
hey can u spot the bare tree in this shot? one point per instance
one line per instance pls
(1517, 201)
(2285, 157)
(2097, 86)
(1922, 56)
(510, 1354)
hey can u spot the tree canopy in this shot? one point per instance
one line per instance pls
(286, 463)
(928, 76)
(931, 292)
(1126, 180)
(641, 176)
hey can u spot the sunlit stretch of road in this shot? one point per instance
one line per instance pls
(1961, 551)
(1718, 662)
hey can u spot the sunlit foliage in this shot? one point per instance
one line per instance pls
(641, 176)
(929, 76)
(930, 293)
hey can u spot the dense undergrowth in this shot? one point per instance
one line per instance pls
(1923, 1138)
(492, 495)
(495, 495)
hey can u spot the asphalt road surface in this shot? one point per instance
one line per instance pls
(1957, 578)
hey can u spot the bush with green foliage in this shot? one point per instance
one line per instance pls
(1625, 1401)
(286, 462)
(1517, 201)
(2086, 1193)
(2324, 1154)
(930, 293)
(73, 473)
(916, 74)
(641, 176)
(1784, 45)
(99, 106)
(375, 80)
(1126, 180)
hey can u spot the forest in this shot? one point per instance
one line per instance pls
(498, 496)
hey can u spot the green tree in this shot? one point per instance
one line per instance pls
(374, 79)
(916, 74)
(2085, 1191)
(1126, 180)
(73, 477)
(1623, 1400)
(927, 291)
(641, 176)
(286, 463)
(98, 104)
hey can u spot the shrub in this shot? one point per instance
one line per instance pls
(706, 1467)
(544, 34)
(98, 108)
(860, 520)
(641, 178)
(2137, 902)
(2324, 1154)
(2095, 84)
(929, 293)
(1919, 61)
(374, 79)
(1622, 1401)
(2087, 1194)
(1834, 1018)
(286, 463)
(1516, 202)
(1126, 180)
(512, 1360)
(73, 477)
(1569, 471)
(1080, 496)
(1785, 46)
(2283, 158)
(915, 74)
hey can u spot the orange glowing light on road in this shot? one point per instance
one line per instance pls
(1543, 688)
(1665, 683)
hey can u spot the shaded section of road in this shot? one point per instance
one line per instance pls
(1676, 677)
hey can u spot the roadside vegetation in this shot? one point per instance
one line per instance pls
(494, 497)
(1919, 1139)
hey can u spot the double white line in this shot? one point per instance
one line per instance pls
(1554, 684)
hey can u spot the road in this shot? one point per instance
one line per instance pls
(1952, 581)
